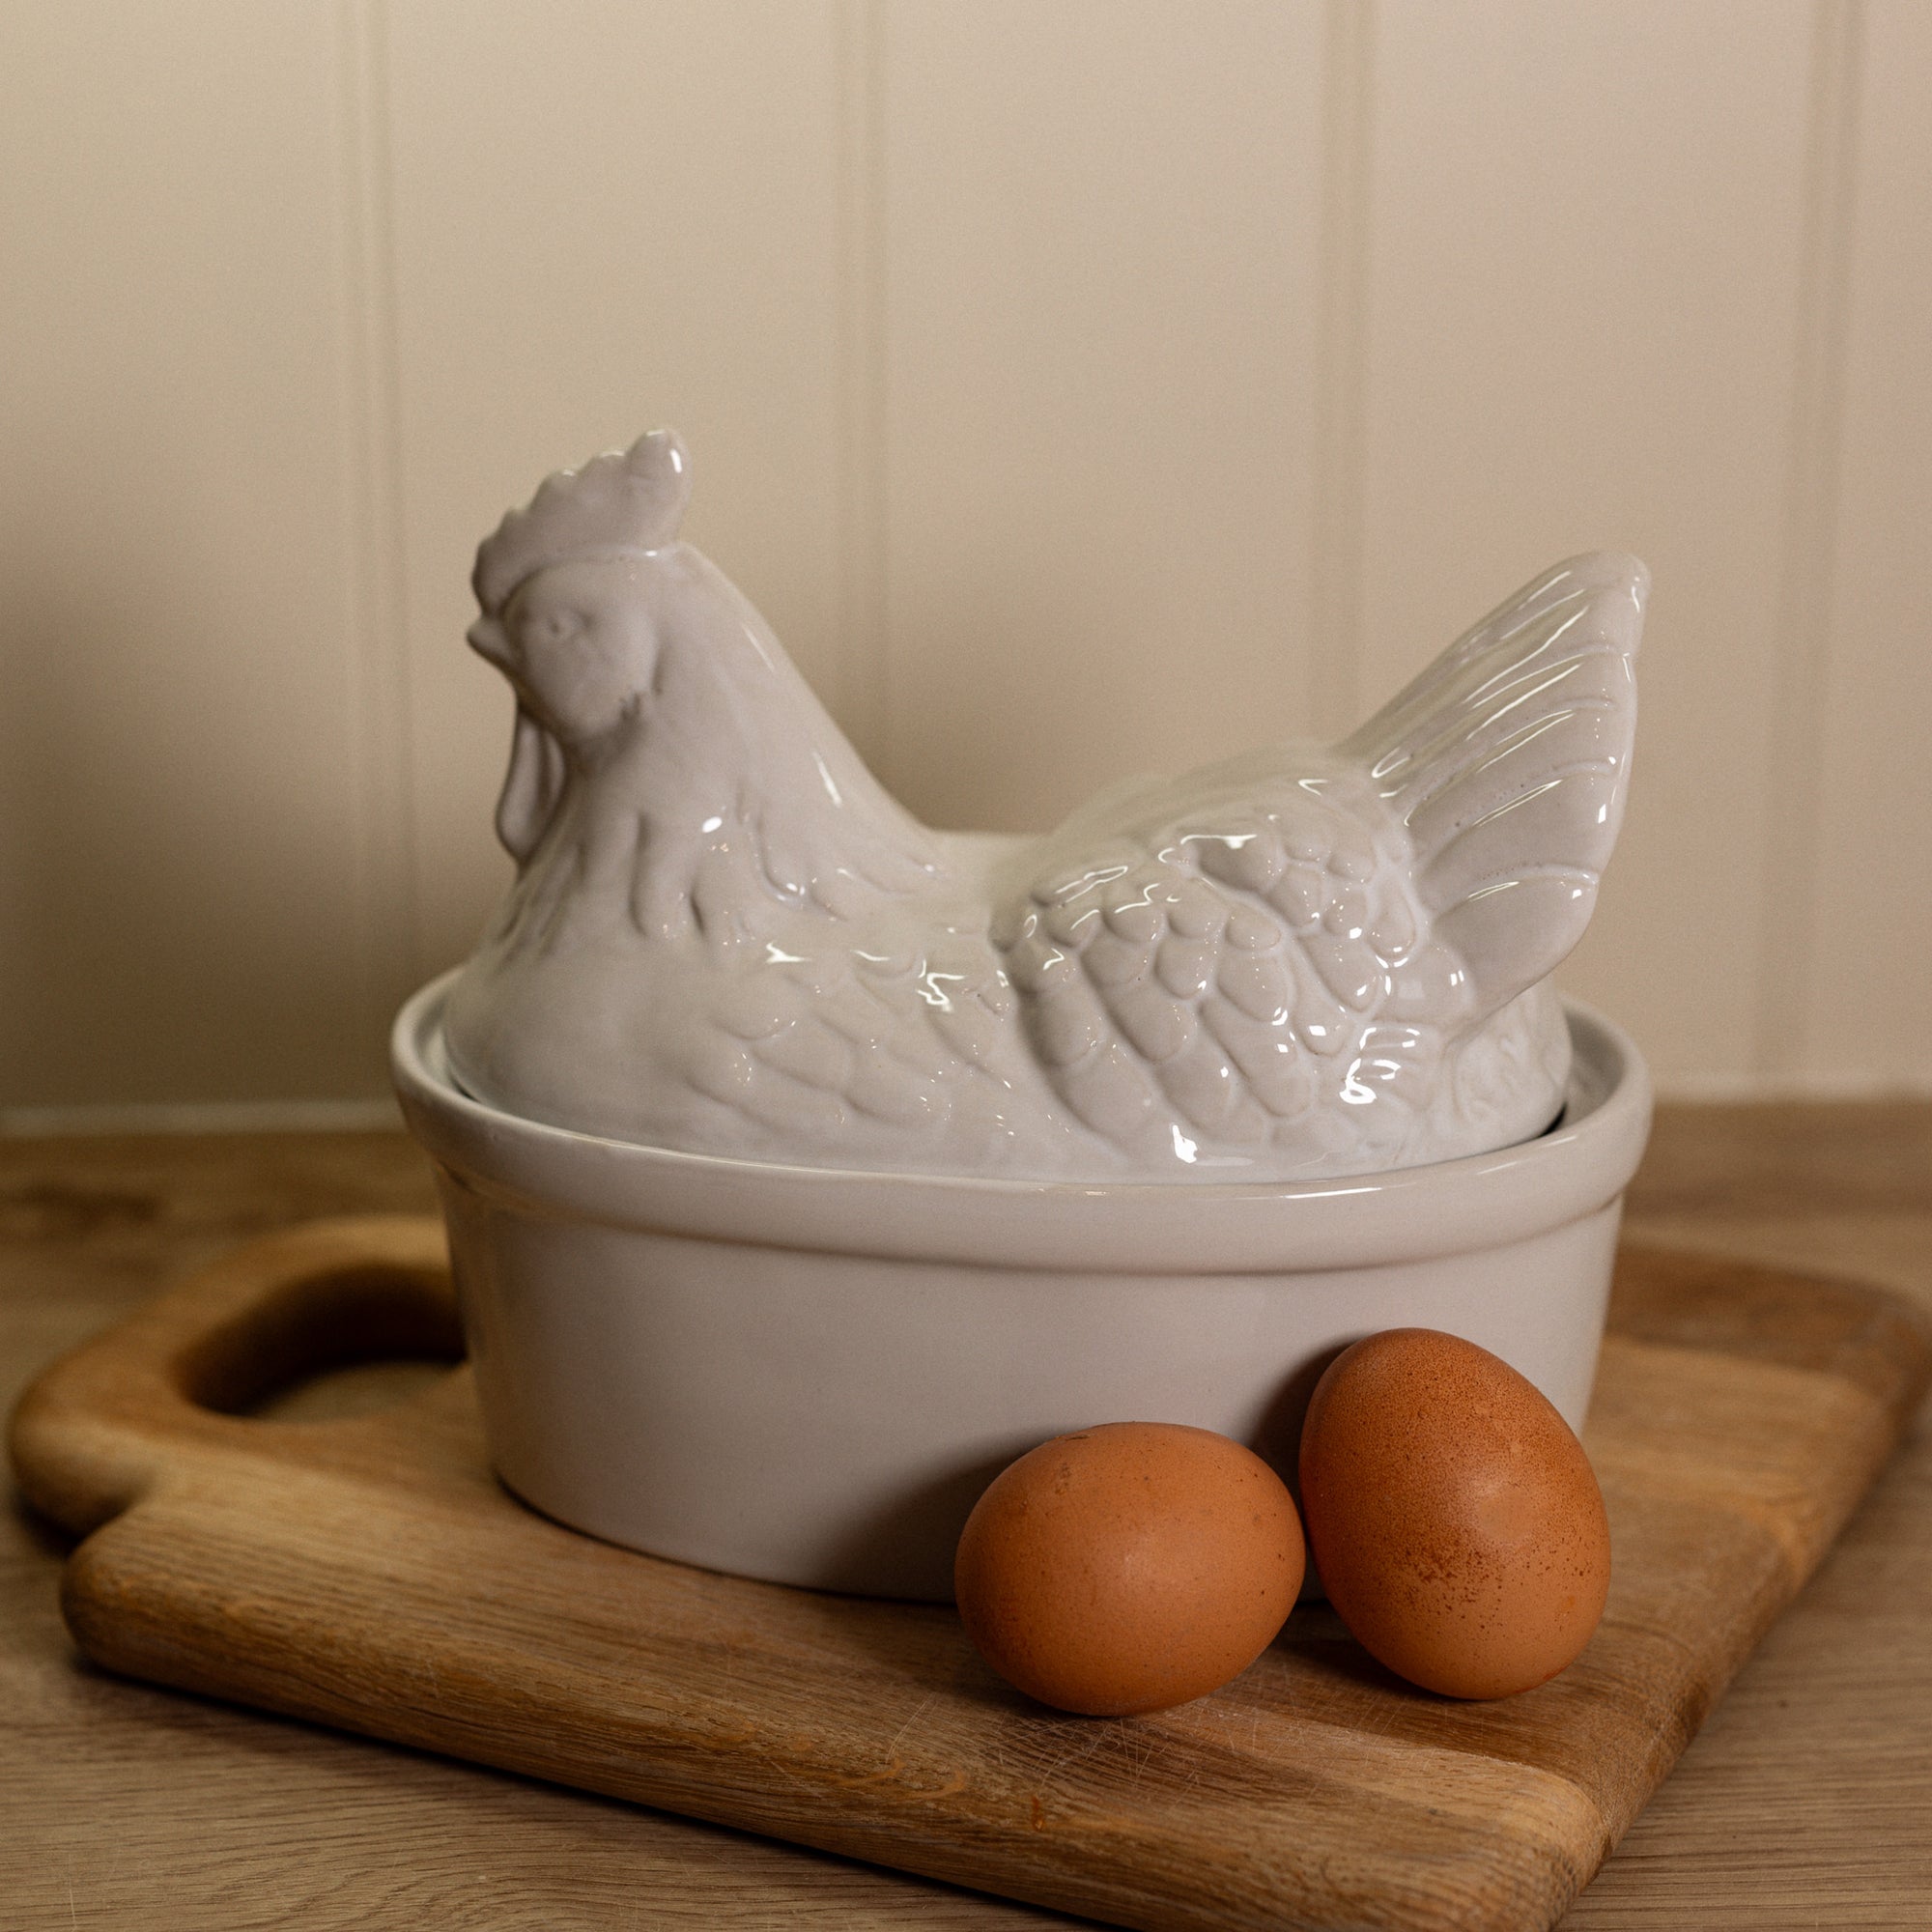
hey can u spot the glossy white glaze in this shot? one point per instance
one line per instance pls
(809, 1376)
(724, 936)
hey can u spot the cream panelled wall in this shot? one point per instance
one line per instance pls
(1079, 387)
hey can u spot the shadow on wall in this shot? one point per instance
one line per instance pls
(178, 835)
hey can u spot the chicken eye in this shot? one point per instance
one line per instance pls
(551, 627)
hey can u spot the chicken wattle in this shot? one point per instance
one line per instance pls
(725, 936)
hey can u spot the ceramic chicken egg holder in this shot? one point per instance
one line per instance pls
(802, 1166)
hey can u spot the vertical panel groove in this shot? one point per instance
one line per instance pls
(1785, 949)
(389, 946)
(1340, 391)
(862, 697)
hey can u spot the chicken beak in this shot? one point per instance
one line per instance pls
(488, 640)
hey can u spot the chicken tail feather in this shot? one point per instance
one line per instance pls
(1508, 762)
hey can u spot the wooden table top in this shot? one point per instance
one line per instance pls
(1804, 1801)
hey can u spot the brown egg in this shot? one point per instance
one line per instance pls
(1454, 1519)
(1128, 1566)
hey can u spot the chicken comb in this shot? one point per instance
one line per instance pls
(625, 499)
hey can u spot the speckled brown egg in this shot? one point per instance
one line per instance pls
(1453, 1515)
(1128, 1566)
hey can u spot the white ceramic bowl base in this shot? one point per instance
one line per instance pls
(809, 1376)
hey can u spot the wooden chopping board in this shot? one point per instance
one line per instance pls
(371, 1575)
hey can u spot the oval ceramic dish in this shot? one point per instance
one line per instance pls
(808, 1374)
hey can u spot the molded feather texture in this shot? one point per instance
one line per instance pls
(725, 936)
(1508, 763)
(1220, 962)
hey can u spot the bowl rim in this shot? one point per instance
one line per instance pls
(1470, 1202)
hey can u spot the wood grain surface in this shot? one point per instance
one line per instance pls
(1771, 1510)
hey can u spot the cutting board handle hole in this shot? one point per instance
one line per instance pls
(344, 1340)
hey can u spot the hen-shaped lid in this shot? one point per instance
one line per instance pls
(725, 936)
